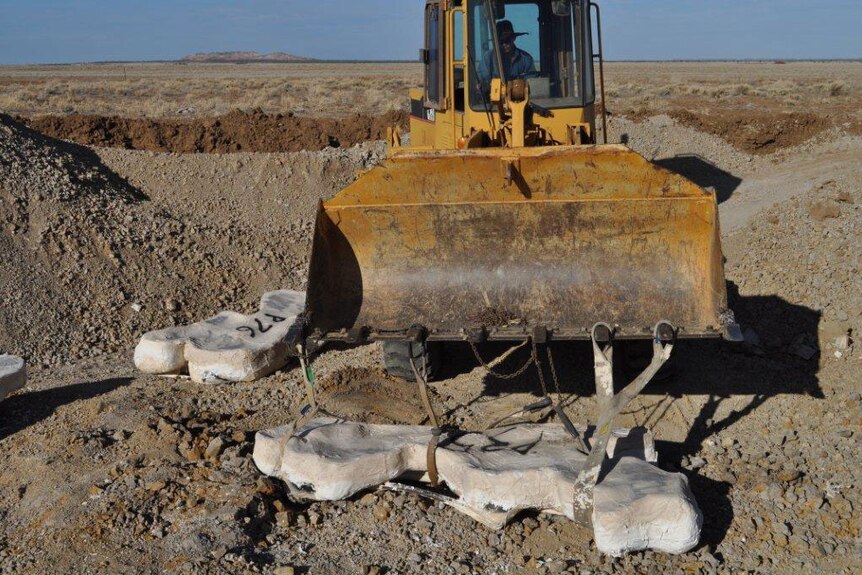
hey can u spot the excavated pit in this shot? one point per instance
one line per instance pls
(237, 131)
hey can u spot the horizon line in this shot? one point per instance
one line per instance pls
(398, 61)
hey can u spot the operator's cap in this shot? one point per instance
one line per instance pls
(505, 31)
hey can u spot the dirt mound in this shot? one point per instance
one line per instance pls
(237, 131)
(90, 261)
(817, 265)
(754, 131)
(363, 394)
(59, 204)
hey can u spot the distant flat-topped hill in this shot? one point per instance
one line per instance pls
(234, 57)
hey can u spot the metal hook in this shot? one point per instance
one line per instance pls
(664, 338)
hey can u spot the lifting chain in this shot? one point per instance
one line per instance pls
(554, 375)
(490, 370)
(534, 358)
(555, 379)
(538, 362)
(558, 406)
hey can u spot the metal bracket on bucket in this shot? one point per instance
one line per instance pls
(610, 405)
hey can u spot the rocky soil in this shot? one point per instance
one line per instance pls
(106, 471)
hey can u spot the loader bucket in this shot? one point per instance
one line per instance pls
(499, 242)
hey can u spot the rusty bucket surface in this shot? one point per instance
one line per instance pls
(504, 241)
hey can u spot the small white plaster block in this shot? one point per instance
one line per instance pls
(643, 507)
(13, 374)
(229, 347)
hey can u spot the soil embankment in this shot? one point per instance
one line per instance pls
(237, 131)
(752, 131)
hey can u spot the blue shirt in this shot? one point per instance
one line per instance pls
(517, 68)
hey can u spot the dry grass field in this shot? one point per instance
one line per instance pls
(324, 89)
(794, 86)
(162, 90)
(758, 107)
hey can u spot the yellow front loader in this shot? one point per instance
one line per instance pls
(504, 219)
(503, 216)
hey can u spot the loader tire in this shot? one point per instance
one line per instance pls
(396, 358)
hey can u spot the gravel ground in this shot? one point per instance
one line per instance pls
(103, 470)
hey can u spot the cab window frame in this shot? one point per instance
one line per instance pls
(582, 67)
(434, 56)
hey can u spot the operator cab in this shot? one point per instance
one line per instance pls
(551, 34)
(546, 45)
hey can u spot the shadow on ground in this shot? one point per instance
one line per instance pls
(700, 171)
(703, 173)
(28, 408)
(701, 367)
(83, 162)
(712, 369)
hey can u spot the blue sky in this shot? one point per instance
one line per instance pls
(55, 31)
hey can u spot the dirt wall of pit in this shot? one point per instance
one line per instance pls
(237, 131)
